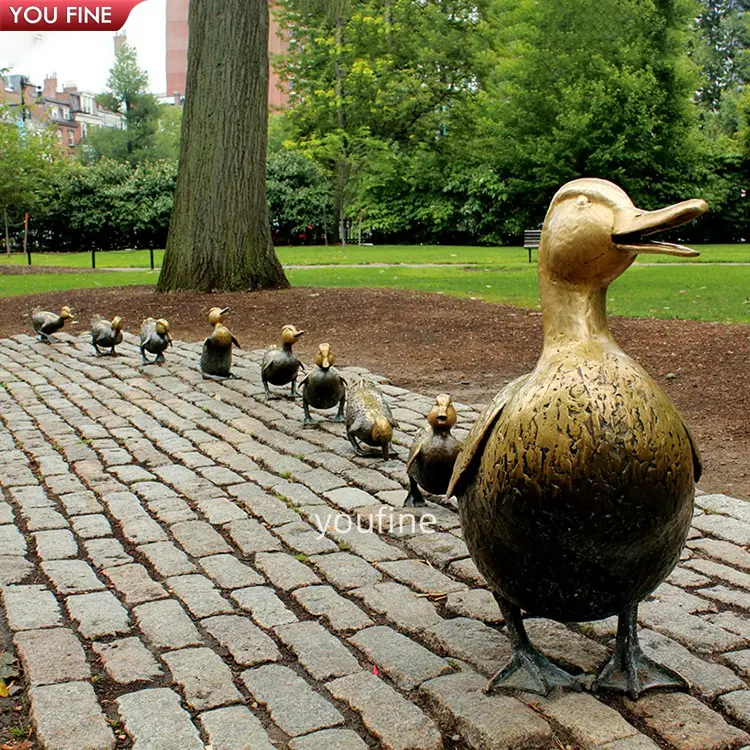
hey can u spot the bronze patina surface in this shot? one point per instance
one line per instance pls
(106, 334)
(216, 357)
(369, 419)
(323, 387)
(576, 484)
(46, 323)
(155, 338)
(433, 452)
(280, 366)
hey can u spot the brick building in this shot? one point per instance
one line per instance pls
(177, 44)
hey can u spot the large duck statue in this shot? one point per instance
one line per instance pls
(369, 419)
(216, 357)
(46, 323)
(575, 486)
(323, 387)
(280, 366)
(106, 334)
(433, 453)
(155, 338)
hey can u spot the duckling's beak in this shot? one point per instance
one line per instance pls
(632, 226)
(225, 310)
(298, 334)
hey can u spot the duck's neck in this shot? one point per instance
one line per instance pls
(573, 315)
(286, 346)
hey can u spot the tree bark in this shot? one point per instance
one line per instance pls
(7, 237)
(219, 235)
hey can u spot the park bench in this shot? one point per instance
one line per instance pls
(531, 238)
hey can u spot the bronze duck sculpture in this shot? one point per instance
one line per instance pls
(369, 419)
(106, 334)
(323, 387)
(46, 323)
(280, 366)
(575, 486)
(155, 338)
(216, 358)
(433, 453)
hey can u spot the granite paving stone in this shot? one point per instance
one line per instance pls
(291, 703)
(406, 662)
(71, 576)
(167, 559)
(284, 571)
(30, 607)
(737, 705)
(199, 595)
(244, 640)
(199, 538)
(98, 614)
(250, 537)
(345, 570)
(51, 655)
(155, 720)
(396, 722)
(91, 526)
(57, 544)
(322, 654)
(205, 679)
(227, 572)
(341, 614)
(166, 625)
(486, 722)
(106, 552)
(264, 606)
(69, 716)
(327, 739)
(236, 728)
(127, 660)
(134, 583)
(399, 605)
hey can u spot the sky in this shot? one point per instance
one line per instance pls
(85, 57)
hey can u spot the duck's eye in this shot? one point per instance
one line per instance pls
(582, 201)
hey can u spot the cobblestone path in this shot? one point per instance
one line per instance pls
(167, 586)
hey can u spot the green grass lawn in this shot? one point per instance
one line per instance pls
(503, 257)
(688, 291)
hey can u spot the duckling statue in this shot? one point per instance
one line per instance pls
(105, 333)
(369, 419)
(323, 387)
(280, 366)
(433, 453)
(575, 486)
(46, 323)
(216, 358)
(155, 338)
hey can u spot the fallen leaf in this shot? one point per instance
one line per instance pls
(3, 689)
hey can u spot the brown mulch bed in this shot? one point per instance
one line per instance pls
(433, 343)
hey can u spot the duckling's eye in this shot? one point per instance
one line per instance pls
(582, 201)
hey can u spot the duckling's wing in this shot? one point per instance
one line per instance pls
(697, 460)
(476, 437)
(416, 449)
(236, 343)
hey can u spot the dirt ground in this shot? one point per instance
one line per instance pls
(434, 343)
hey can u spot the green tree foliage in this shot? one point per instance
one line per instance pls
(128, 93)
(26, 159)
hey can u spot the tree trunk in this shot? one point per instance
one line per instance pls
(219, 235)
(7, 237)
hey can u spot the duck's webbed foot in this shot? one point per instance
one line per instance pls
(340, 414)
(414, 499)
(527, 669)
(629, 670)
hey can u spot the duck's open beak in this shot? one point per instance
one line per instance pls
(633, 226)
(225, 310)
(298, 334)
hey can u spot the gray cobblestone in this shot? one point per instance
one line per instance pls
(92, 526)
(219, 510)
(235, 728)
(30, 607)
(303, 538)
(397, 723)
(155, 720)
(228, 572)
(71, 576)
(327, 739)
(247, 643)
(250, 537)
(420, 576)
(57, 544)
(264, 606)
(98, 614)
(80, 503)
(166, 625)
(341, 614)
(284, 571)
(292, 704)
(486, 722)
(127, 660)
(319, 652)
(729, 554)
(399, 605)
(199, 538)
(199, 595)
(13, 569)
(206, 681)
(346, 571)
(51, 655)
(12, 541)
(134, 583)
(167, 559)
(106, 552)
(68, 716)
(407, 663)
(737, 705)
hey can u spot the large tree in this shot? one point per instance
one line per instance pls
(219, 236)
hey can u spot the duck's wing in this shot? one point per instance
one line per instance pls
(415, 450)
(478, 433)
(236, 343)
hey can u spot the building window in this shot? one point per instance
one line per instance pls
(70, 138)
